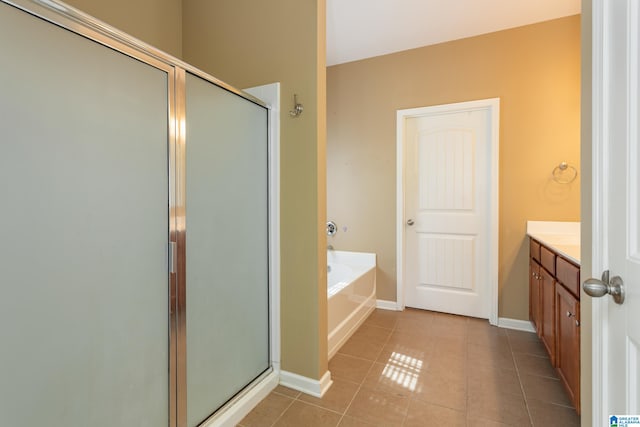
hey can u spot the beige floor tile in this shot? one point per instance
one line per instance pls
(422, 414)
(354, 422)
(417, 337)
(501, 407)
(528, 347)
(521, 335)
(448, 364)
(302, 414)
(373, 334)
(479, 422)
(454, 346)
(442, 328)
(360, 347)
(383, 318)
(349, 368)
(414, 322)
(399, 378)
(337, 398)
(488, 338)
(447, 389)
(380, 408)
(548, 414)
(489, 380)
(494, 357)
(482, 348)
(286, 391)
(429, 367)
(534, 365)
(267, 411)
(545, 389)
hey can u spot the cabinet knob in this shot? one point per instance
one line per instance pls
(577, 323)
(569, 314)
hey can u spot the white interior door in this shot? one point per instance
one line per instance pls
(448, 211)
(616, 226)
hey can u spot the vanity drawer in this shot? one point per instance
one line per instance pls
(568, 274)
(548, 260)
(534, 249)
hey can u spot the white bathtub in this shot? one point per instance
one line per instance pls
(351, 289)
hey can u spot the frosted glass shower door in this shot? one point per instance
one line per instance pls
(84, 229)
(227, 272)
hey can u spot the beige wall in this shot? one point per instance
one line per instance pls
(534, 70)
(587, 218)
(248, 43)
(156, 22)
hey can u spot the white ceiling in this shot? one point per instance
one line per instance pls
(358, 29)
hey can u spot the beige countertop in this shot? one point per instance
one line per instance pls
(562, 237)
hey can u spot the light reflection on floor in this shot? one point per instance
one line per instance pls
(403, 370)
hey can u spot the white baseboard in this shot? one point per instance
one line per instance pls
(234, 414)
(316, 388)
(520, 325)
(386, 305)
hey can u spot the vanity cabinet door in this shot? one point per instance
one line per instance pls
(534, 295)
(548, 299)
(568, 342)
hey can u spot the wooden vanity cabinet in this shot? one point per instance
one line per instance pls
(554, 310)
(548, 313)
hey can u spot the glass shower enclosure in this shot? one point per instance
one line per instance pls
(134, 272)
(227, 245)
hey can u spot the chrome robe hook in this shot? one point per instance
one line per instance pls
(297, 108)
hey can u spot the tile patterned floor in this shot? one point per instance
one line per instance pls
(420, 368)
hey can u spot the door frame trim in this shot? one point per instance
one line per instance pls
(599, 181)
(493, 106)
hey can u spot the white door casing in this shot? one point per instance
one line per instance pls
(616, 206)
(448, 186)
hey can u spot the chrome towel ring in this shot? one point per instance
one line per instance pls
(564, 173)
